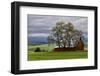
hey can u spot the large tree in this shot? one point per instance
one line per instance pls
(64, 35)
(56, 34)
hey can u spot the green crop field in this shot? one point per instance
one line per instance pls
(50, 55)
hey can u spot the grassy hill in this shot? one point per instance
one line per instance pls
(45, 47)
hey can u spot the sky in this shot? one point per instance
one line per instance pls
(41, 25)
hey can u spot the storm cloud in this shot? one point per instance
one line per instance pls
(41, 25)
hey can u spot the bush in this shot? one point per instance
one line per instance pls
(37, 49)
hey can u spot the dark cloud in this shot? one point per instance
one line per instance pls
(42, 24)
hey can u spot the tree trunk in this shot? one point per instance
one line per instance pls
(64, 44)
(69, 43)
(59, 46)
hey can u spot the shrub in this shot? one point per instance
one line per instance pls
(37, 49)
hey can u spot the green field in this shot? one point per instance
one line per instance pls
(50, 55)
(46, 47)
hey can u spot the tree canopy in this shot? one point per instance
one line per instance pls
(64, 35)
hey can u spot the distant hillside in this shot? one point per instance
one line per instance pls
(37, 40)
(43, 40)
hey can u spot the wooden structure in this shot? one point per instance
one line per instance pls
(80, 45)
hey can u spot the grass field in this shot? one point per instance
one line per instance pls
(50, 55)
(42, 47)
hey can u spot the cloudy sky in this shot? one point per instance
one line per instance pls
(40, 25)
